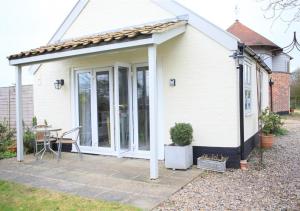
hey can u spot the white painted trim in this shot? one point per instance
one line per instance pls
(160, 109)
(76, 99)
(135, 109)
(120, 152)
(163, 37)
(111, 113)
(152, 53)
(64, 27)
(216, 33)
(19, 114)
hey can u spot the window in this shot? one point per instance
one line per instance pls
(247, 88)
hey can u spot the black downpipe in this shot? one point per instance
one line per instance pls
(271, 93)
(241, 48)
(241, 87)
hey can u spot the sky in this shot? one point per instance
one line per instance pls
(29, 24)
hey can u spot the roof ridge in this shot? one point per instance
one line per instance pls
(249, 36)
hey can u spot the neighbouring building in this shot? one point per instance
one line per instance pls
(275, 58)
(129, 70)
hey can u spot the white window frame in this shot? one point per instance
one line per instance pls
(247, 88)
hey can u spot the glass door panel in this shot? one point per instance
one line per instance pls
(84, 107)
(123, 73)
(103, 108)
(142, 77)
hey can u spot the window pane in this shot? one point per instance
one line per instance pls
(84, 106)
(124, 107)
(143, 108)
(103, 109)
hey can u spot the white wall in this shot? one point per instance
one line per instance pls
(206, 91)
(99, 16)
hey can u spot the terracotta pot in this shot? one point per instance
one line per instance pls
(267, 141)
(244, 164)
(292, 110)
(12, 149)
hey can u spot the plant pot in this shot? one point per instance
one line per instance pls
(292, 110)
(12, 149)
(178, 157)
(212, 165)
(267, 141)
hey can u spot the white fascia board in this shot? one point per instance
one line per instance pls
(80, 52)
(162, 37)
(216, 33)
(66, 24)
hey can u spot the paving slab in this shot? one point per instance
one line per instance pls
(124, 180)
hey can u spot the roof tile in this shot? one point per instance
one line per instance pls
(95, 40)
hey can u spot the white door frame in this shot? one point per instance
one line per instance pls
(111, 112)
(121, 153)
(133, 150)
(135, 111)
(76, 72)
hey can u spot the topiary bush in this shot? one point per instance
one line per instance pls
(182, 134)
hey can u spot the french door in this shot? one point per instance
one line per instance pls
(123, 108)
(113, 109)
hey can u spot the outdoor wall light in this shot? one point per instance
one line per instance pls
(172, 82)
(59, 83)
(271, 82)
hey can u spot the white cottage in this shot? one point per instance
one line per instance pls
(133, 68)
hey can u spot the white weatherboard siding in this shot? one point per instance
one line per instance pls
(206, 91)
(250, 122)
(281, 63)
(251, 119)
(265, 91)
(99, 16)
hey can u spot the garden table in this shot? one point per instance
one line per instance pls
(47, 139)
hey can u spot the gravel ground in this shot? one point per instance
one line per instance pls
(276, 186)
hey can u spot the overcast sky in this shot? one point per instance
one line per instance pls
(31, 23)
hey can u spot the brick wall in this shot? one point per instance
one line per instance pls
(8, 105)
(280, 92)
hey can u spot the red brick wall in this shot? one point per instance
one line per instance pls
(280, 92)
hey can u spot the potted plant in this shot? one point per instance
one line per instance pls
(179, 154)
(271, 123)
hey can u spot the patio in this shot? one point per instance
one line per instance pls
(102, 177)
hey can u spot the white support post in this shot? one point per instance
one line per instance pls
(19, 114)
(153, 111)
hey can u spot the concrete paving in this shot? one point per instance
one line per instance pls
(124, 180)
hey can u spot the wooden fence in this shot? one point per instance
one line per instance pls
(8, 105)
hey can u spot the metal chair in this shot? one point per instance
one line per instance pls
(64, 140)
(39, 138)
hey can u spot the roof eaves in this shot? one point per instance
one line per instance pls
(257, 58)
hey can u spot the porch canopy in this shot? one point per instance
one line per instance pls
(143, 36)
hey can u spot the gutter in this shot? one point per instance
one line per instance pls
(257, 58)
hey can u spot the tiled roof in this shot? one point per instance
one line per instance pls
(248, 36)
(100, 39)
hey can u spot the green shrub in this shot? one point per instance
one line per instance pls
(182, 134)
(271, 122)
(6, 136)
(29, 137)
(7, 154)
